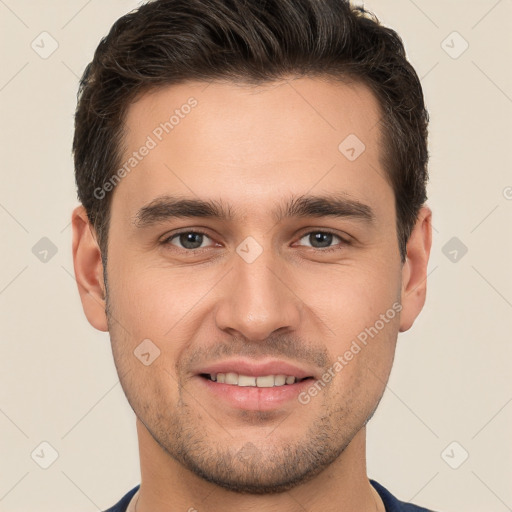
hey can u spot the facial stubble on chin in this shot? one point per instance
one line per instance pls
(268, 468)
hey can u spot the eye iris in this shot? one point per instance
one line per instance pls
(324, 239)
(191, 240)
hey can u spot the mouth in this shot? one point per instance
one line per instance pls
(259, 381)
(254, 385)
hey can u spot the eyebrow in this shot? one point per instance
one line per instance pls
(168, 207)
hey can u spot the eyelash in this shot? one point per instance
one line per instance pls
(343, 242)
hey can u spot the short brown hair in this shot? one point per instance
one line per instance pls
(166, 42)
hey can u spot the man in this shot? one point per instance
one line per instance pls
(253, 234)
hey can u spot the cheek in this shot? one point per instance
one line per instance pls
(360, 315)
(161, 305)
(350, 298)
(361, 365)
(144, 343)
(153, 301)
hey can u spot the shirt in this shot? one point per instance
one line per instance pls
(390, 502)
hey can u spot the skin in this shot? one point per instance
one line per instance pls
(253, 148)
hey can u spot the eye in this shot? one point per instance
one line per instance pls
(322, 240)
(188, 240)
(194, 240)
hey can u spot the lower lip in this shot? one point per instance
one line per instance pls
(253, 398)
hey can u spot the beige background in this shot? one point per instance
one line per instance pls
(451, 380)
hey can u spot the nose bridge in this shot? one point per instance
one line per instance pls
(257, 301)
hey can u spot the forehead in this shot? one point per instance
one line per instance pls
(250, 143)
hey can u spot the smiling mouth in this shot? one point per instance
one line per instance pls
(262, 381)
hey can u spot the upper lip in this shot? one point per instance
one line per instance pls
(256, 369)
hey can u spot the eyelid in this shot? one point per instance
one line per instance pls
(167, 238)
(345, 240)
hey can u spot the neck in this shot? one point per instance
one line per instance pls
(166, 486)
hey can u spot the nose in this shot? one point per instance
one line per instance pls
(257, 299)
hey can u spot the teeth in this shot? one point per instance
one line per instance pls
(264, 381)
(231, 378)
(280, 380)
(244, 380)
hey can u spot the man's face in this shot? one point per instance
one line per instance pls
(267, 290)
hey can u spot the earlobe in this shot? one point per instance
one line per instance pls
(88, 269)
(414, 270)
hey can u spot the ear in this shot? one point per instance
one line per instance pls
(88, 269)
(414, 270)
